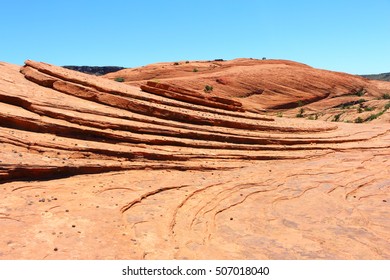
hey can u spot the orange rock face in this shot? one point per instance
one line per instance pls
(271, 86)
(95, 169)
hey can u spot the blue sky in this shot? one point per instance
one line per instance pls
(348, 36)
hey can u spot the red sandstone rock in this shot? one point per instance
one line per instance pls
(95, 169)
(264, 84)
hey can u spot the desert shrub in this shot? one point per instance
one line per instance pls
(176, 63)
(300, 103)
(360, 92)
(120, 79)
(358, 120)
(360, 110)
(347, 105)
(195, 70)
(377, 115)
(187, 61)
(369, 109)
(208, 88)
(336, 118)
(372, 117)
(386, 96)
(300, 114)
(279, 114)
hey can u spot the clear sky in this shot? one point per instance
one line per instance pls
(341, 35)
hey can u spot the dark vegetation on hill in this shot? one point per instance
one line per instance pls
(380, 77)
(95, 70)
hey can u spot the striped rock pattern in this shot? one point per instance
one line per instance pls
(95, 169)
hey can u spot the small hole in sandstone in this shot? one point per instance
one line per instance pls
(55, 249)
(73, 226)
(384, 200)
(231, 219)
(66, 210)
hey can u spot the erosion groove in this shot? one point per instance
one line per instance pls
(91, 168)
(156, 121)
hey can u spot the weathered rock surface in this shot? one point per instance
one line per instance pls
(277, 86)
(191, 96)
(95, 169)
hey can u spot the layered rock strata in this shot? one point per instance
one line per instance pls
(96, 169)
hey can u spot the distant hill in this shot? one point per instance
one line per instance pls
(380, 77)
(261, 84)
(95, 70)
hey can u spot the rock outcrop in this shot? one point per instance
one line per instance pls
(193, 97)
(271, 86)
(95, 169)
